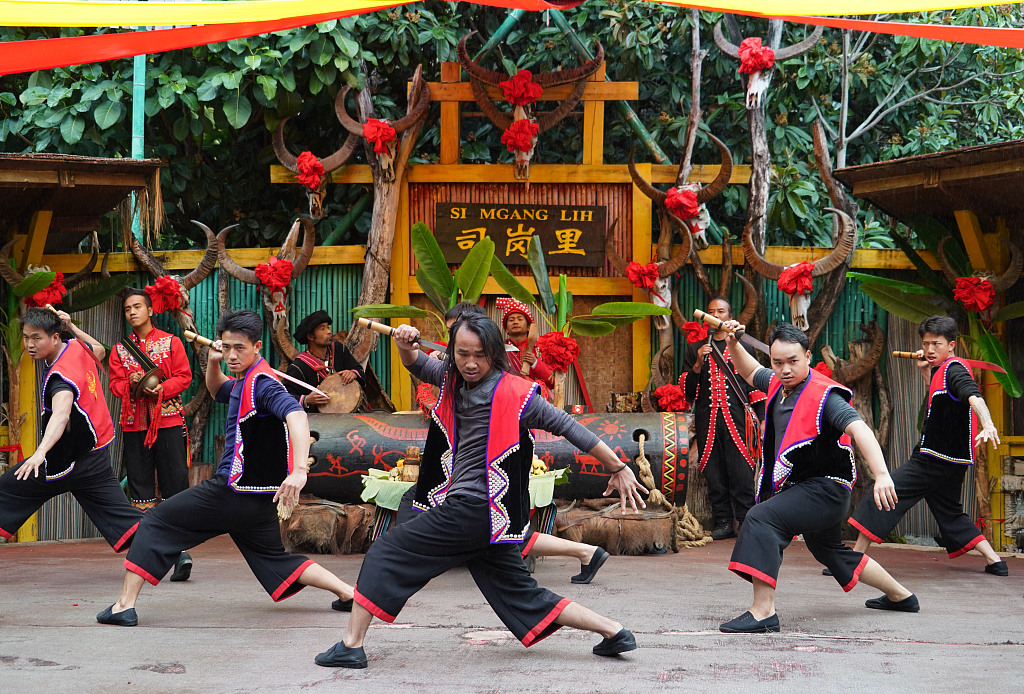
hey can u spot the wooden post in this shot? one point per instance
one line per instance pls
(450, 125)
(593, 126)
(641, 233)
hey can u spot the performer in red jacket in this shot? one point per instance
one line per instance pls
(516, 319)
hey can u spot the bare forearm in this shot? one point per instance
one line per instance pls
(981, 409)
(215, 378)
(89, 342)
(745, 364)
(408, 356)
(868, 446)
(298, 434)
(58, 422)
(608, 459)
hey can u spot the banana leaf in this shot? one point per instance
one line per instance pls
(453, 298)
(475, 270)
(36, 282)
(1009, 312)
(909, 287)
(617, 321)
(388, 311)
(95, 293)
(539, 268)
(992, 350)
(563, 302)
(630, 308)
(913, 307)
(569, 303)
(439, 300)
(509, 283)
(931, 232)
(930, 277)
(431, 259)
(590, 328)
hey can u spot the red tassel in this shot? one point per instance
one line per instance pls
(154, 420)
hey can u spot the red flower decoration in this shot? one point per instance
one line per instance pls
(559, 351)
(682, 203)
(695, 332)
(822, 368)
(754, 57)
(797, 279)
(521, 90)
(426, 398)
(53, 293)
(642, 276)
(274, 275)
(311, 171)
(671, 398)
(379, 133)
(165, 294)
(519, 136)
(974, 293)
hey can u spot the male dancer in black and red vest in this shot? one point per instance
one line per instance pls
(266, 446)
(74, 453)
(324, 356)
(153, 424)
(473, 498)
(726, 454)
(804, 485)
(935, 470)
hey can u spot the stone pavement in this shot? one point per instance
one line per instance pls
(219, 632)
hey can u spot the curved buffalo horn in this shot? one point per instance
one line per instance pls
(146, 259)
(500, 119)
(284, 341)
(640, 182)
(196, 403)
(672, 265)
(677, 316)
(798, 48)
(851, 372)
(749, 300)
(342, 113)
(419, 103)
(208, 262)
(1012, 274)
(576, 74)
(308, 243)
(844, 245)
(730, 49)
(475, 71)
(549, 119)
(755, 260)
(724, 174)
(12, 276)
(723, 285)
(228, 264)
(611, 254)
(947, 268)
(84, 273)
(330, 163)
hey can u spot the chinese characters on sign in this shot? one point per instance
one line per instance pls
(571, 235)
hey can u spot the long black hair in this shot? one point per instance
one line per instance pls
(490, 338)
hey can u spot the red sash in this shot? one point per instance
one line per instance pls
(318, 366)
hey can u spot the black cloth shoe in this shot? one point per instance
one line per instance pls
(884, 603)
(620, 643)
(826, 571)
(340, 655)
(588, 571)
(723, 531)
(125, 618)
(342, 605)
(183, 569)
(997, 569)
(747, 624)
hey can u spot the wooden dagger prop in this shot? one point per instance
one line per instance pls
(193, 337)
(741, 336)
(422, 342)
(976, 363)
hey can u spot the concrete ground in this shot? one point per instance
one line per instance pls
(219, 632)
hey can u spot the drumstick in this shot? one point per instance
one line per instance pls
(193, 337)
(906, 355)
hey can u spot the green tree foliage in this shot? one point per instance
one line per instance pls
(211, 110)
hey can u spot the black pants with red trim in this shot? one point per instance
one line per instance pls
(166, 460)
(92, 483)
(205, 511)
(937, 482)
(730, 477)
(405, 559)
(814, 508)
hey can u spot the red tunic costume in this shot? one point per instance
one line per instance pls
(167, 352)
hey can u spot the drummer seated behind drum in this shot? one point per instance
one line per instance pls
(322, 358)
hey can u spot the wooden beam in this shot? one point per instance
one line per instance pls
(594, 91)
(579, 286)
(189, 260)
(863, 258)
(350, 173)
(938, 178)
(451, 130)
(702, 173)
(27, 373)
(593, 125)
(16, 177)
(974, 241)
(38, 228)
(643, 252)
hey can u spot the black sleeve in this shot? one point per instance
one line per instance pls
(344, 361)
(690, 356)
(294, 371)
(762, 379)
(960, 383)
(55, 385)
(838, 412)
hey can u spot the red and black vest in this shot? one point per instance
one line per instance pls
(90, 427)
(263, 450)
(810, 447)
(509, 453)
(950, 425)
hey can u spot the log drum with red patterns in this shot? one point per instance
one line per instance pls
(345, 446)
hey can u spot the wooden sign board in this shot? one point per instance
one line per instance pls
(571, 235)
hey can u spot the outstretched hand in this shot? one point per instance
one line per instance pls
(625, 483)
(885, 493)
